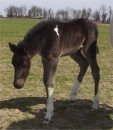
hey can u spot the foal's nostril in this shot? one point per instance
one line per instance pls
(18, 84)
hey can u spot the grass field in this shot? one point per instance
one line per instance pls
(24, 109)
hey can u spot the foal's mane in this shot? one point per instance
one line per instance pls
(38, 27)
(34, 31)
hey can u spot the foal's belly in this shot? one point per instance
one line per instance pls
(72, 46)
(70, 51)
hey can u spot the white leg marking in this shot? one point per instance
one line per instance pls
(50, 107)
(96, 102)
(74, 90)
(56, 30)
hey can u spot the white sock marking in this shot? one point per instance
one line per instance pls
(74, 90)
(56, 30)
(50, 107)
(96, 101)
(50, 92)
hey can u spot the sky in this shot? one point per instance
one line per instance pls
(56, 4)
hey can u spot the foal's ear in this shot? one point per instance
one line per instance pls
(13, 47)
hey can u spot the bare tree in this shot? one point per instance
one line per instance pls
(103, 13)
(109, 14)
(50, 14)
(59, 15)
(44, 13)
(96, 16)
(88, 13)
(84, 13)
(21, 11)
(11, 11)
(76, 13)
(35, 11)
(32, 11)
(14, 11)
(39, 11)
(62, 15)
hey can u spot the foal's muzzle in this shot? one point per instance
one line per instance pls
(19, 83)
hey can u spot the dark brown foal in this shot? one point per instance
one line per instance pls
(52, 40)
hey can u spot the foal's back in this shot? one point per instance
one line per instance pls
(61, 38)
(70, 36)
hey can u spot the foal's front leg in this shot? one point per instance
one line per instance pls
(50, 67)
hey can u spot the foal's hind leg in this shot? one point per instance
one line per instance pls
(50, 67)
(92, 60)
(79, 58)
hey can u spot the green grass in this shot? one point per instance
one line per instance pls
(24, 109)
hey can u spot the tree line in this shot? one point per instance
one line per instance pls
(103, 14)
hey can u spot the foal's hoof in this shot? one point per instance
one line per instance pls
(95, 106)
(48, 117)
(72, 98)
(46, 121)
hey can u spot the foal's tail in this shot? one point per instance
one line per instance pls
(111, 31)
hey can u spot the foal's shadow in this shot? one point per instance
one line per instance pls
(23, 103)
(68, 115)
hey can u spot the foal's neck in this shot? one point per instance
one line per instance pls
(32, 48)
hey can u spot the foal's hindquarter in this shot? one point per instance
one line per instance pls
(78, 40)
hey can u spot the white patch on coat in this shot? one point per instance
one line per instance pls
(50, 107)
(81, 46)
(96, 102)
(74, 90)
(57, 30)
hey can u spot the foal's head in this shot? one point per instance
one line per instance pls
(21, 62)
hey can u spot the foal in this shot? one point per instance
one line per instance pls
(52, 40)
